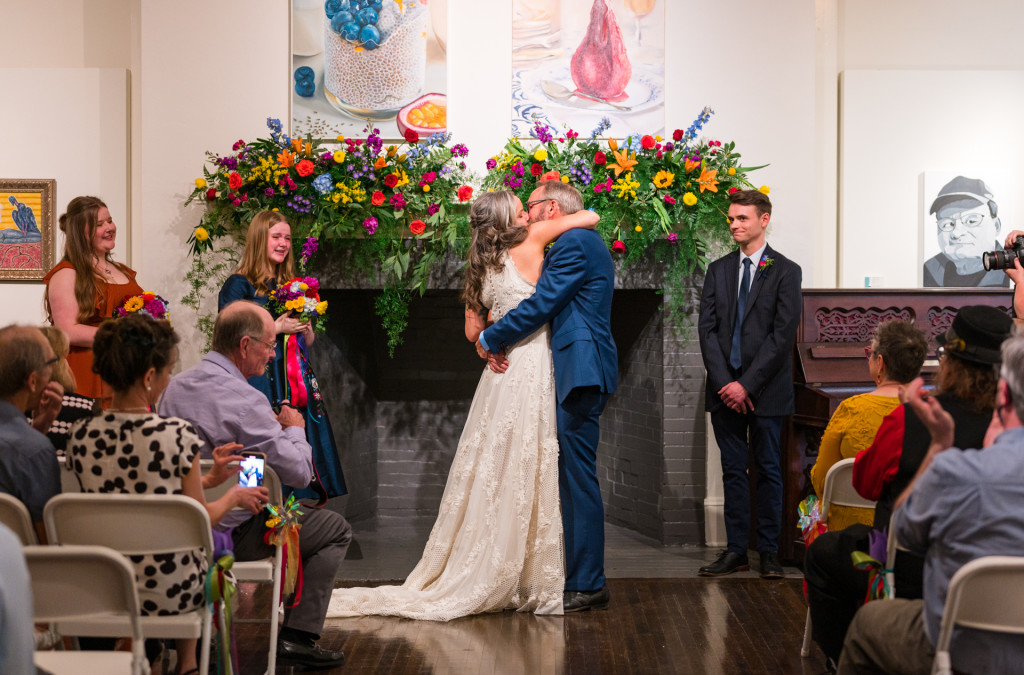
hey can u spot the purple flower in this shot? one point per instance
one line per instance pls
(269, 192)
(541, 133)
(308, 249)
(432, 208)
(460, 150)
(672, 237)
(370, 224)
(669, 146)
(491, 163)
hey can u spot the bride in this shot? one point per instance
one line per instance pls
(497, 541)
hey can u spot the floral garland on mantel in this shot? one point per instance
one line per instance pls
(401, 209)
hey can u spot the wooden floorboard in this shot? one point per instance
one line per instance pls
(691, 626)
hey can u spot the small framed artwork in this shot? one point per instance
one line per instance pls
(26, 228)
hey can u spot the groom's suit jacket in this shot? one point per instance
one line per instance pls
(769, 328)
(574, 293)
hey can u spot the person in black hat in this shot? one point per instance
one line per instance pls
(967, 225)
(966, 387)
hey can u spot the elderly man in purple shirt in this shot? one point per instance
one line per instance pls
(215, 397)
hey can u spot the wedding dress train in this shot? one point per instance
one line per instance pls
(497, 541)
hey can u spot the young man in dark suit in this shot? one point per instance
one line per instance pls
(749, 312)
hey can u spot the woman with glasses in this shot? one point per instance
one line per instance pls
(894, 358)
(87, 286)
(267, 262)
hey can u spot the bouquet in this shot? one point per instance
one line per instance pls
(301, 296)
(149, 303)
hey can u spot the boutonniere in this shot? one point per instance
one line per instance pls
(765, 263)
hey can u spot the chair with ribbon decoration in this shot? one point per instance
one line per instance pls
(269, 570)
(84, 583)
(839, 491)
(984, 594)
(14, 515)
(141, 525)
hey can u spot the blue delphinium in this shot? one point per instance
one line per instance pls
(702, 119)
(602, 127)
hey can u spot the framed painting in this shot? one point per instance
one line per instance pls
(26, 228)
(355, 62)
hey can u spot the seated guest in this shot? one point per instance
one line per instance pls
(130, 450)
(28, 462)
(895, 357)
(215, 397)
(960, 506)
(73, 406)
(966, 386)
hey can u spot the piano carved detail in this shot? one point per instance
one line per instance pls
(855, 324)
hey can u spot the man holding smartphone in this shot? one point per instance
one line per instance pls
(216, 398)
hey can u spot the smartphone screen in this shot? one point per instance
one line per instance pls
(250, 470)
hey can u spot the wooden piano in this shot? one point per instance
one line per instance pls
(829, 366)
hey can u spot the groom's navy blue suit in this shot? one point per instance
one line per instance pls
(574, 293)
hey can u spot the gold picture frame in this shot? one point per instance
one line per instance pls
(26, 228)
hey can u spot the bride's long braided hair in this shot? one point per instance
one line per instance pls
(493, 220)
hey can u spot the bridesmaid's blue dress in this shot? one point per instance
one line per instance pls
(273, 386)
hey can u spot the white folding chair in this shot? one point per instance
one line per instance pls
(76, 583)
(983, 594)
(839, 491)
(267, 570)
(136, 525)
(14, 515)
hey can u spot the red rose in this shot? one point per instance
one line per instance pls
(732, 189)
(391, 180)
(377, 199)
(465, 193)
(536, 169)
(411, 136)
(304, 168)
(647, 142)
(550, 175)
(677, 135)
(234, 180)
(599, 157)
(417, 227)
(618, 246)
(211, 194)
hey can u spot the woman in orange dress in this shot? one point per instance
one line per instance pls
(86, 287)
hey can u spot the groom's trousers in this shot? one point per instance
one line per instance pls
(579, 429)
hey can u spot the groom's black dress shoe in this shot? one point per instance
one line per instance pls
(771, 568)
(308, 656)
(727, 563)
(582, 601)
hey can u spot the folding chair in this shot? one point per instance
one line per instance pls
(14, 515)
(136, 525)
(76, 583)
(983, 594)
(267, 570)
(69, 481)
(839, 491)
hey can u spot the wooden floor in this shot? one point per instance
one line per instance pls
(690, 625)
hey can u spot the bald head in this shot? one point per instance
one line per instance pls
(245, 332)
(25, 364)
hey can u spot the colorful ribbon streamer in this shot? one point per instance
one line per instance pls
(220, 593)
(293, 369)
(283, 531)
(878, 583)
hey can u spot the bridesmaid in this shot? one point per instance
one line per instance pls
(267, 262)
(86, 287)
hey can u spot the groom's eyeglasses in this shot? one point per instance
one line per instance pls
(530, 204)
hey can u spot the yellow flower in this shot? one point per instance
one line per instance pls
(540, 155)
(341, 139)
(764, 189)
(404, 177)
(707, 180)
(565, 179)
(732, 171)
(401, 157)
(663, 179)
(134, 304)
(321, 307)
(426, 188)
(658, 138)
(689, 199)
(201, 234)
(200, 183)
(304, 286)
(626, 187)
(339, 156)
(638, 228)
(622, 163)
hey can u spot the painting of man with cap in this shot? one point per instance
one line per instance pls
(967, 225)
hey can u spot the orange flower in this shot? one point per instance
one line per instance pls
(550, 175)
(689, 165)
(302, 148)
(391, 151)
(379, 164)
(378, 198)
(621, 163)
(286, 159)
(417, 227)
(707, 180)
(613, 144)
(304, 167)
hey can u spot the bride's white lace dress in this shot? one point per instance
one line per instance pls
(497, 541)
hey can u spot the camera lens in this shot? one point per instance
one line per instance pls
(998, 260)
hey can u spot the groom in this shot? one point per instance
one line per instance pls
(574, 293)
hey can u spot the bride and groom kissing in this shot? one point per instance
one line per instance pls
(521, 522)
